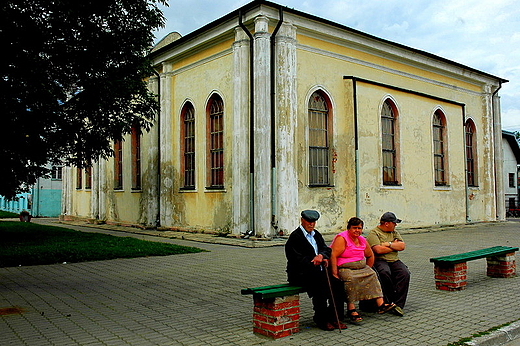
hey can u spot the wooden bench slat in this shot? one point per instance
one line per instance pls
(472, 255)
(273, 291)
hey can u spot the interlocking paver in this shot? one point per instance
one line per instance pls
(194, 299)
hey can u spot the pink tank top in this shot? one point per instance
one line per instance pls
(352, 253)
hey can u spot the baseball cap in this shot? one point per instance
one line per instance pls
(390, 217)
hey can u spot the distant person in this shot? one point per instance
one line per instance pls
(351, 262)
(393, 274)
(307, 262)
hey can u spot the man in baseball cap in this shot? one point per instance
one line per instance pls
(393, 274)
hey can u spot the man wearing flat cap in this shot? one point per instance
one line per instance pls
(394, 275)
(307, 261)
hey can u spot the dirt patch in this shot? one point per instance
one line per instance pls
(11, 311)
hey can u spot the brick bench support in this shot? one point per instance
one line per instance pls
(501, 266)
(276, 310)
(450, 277)
(451, 271)
(276, 317)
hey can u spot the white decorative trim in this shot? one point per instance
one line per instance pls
(199, 62)
(383, 68)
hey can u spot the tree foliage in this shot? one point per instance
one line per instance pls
(73, 79)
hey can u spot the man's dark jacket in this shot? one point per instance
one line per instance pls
(299, 252)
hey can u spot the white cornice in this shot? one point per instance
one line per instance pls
(383, 68)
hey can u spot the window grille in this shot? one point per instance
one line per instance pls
(470, 153)
(136, 158)
(189, 146)
(216, 143)
(439, 149)
(388, 121)
(319, 150)
(118, 165)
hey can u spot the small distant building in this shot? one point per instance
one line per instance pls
(511, 169)
(43, 200)
(268, 111)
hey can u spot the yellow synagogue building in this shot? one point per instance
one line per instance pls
(268, 111)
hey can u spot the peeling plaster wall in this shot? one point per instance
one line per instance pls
(310, 55)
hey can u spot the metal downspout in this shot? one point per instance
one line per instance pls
(356, 140)
(356, 145)
(274, 208)
(158, 215)
(251, 230)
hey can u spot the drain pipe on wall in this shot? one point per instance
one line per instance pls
(274, 209)
(251, 230)
(356, 139)
(158, 215)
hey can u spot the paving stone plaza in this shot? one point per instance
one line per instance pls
(195, 299)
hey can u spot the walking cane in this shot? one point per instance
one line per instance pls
(332, 297)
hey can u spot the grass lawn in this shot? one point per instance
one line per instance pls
(7, 214)
(25, 243)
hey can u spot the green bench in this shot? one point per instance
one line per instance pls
(276, 309)
(450, 271)
(273, 291)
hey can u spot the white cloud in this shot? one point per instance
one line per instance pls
(481, 34)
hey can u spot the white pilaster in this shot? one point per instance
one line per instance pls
(286, 123)
(262, 128)
(66, 190)
(499, 159)
(166, 152)
(240, 164)
(94, 191)
(102, 189)
(150, 167)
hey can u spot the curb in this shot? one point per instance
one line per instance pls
(498, 337)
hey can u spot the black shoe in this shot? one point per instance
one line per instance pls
(323, 324)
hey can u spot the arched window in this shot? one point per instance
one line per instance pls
(439, 148)
(118, 165)
(136, 157)
(389, 144)
(188, 146)
(215, 112)
(471, 153)
(319, 140)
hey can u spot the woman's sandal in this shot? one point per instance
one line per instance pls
(354, 318)
(385, 307)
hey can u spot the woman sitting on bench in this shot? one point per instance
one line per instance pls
(351, 262)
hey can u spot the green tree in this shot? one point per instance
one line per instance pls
(73, 79)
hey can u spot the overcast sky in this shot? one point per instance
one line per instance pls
(482, 34)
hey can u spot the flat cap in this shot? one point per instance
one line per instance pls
(310, 215)
(389, 217)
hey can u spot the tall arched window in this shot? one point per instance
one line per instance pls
(136, 157)
(215, 136)
(319, 140)
(471, 153)
(118, 165)
(439, 148)
(389, 143)
(188, 146)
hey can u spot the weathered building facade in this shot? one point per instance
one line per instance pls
(268, 111)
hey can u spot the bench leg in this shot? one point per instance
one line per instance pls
(276, 317)
(501, 266)
(450, 277)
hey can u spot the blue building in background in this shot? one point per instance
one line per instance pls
(43, 200)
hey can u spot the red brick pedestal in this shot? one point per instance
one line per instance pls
(276, 317)
(450, 277)
(501, 266)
